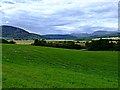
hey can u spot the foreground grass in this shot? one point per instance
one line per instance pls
(27, 66)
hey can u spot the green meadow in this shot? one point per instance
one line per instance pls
(26, 66)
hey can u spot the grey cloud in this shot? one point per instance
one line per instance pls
(8, 2)
(75, 17)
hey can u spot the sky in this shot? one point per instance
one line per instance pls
(60, 16)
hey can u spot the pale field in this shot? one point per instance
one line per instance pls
(24, 41)
(113, 38)
(32, 41)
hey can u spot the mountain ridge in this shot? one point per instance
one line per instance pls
(11, 32)
(96, 34)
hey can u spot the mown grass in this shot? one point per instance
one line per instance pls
(26, 66)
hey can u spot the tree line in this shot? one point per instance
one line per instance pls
(7, 42)
(59, 44)
(103, 44)
(94, 45)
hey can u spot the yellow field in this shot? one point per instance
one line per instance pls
(24, 41)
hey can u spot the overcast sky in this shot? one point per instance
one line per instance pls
(60, 16)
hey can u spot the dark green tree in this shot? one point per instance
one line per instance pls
(102, 44)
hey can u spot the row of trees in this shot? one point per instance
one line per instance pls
(102, 44)
(60, 44)
(5, 41)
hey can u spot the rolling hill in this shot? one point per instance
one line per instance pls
(97, 34)
(26, 66)
(10, 32)
(59, 36)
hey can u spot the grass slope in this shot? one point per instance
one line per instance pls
(27, 66)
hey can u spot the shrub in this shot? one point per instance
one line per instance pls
(12, 42)
(7, 42)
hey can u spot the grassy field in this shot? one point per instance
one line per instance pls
(26, 66)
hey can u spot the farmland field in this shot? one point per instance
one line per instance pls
(24, 41)
(26, 66)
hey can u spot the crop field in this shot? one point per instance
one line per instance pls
(26, 66)
(24, 41)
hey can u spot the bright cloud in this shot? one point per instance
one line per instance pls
(60, 16)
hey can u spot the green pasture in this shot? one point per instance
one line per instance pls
(26, 66)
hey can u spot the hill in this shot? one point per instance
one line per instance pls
(25, 66)
(59, 36)
(96, 34)
(10, 32)
(105, 34)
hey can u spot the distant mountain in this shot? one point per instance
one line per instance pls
(113, 34)
(100, 32)
(104, 34)
(10, 32)
(97, 34)
(81, 35)
(59, 36)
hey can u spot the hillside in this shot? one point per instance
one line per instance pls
(26, 66)
(10, 32)
(105, 34)
(59, 36)
(97, 34)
